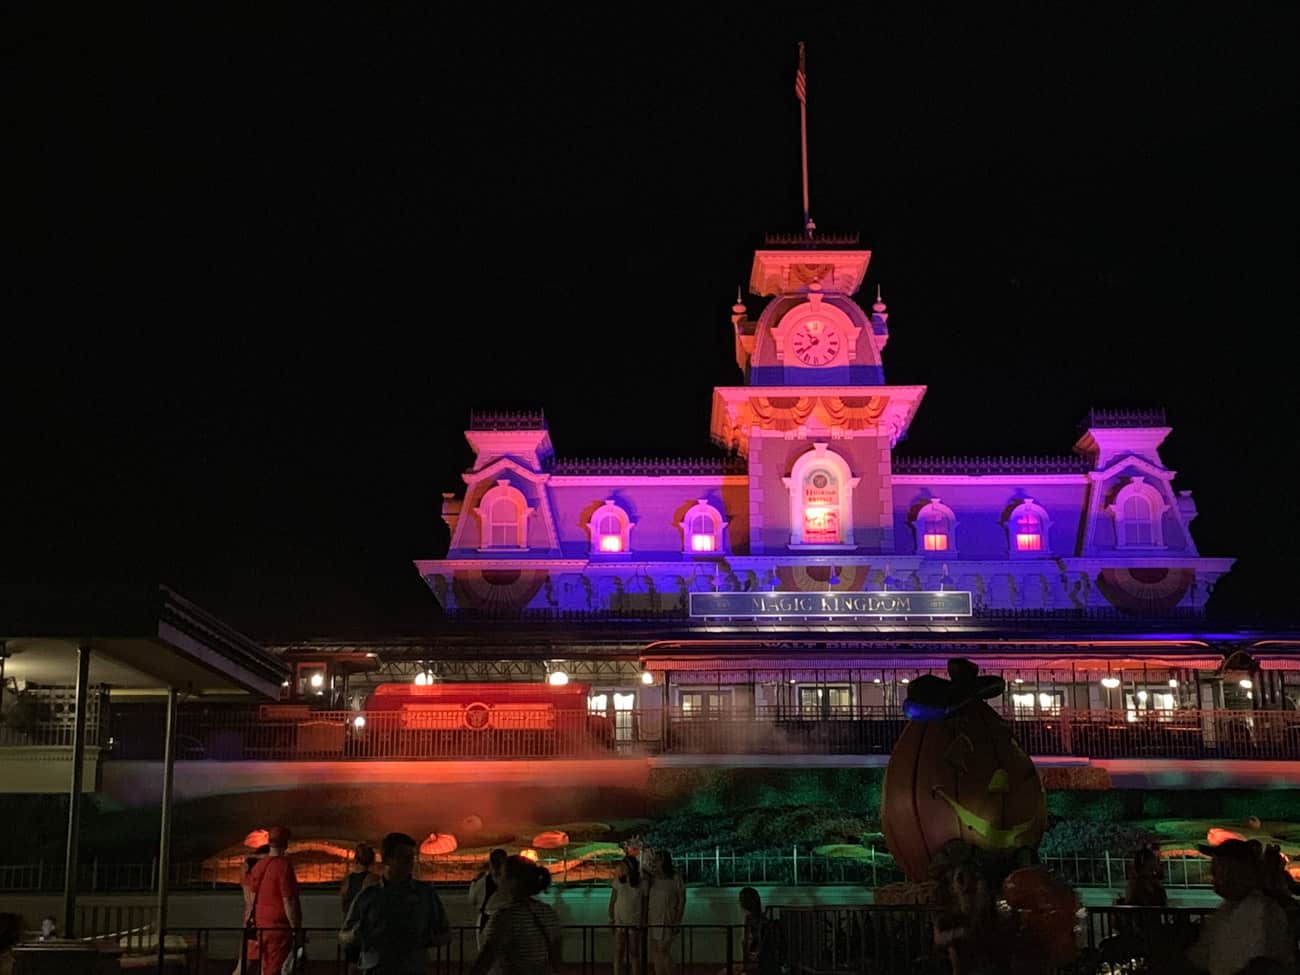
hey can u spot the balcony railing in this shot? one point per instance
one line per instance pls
(46, 734)
(541, 734)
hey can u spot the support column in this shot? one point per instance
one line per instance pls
(74, 796)
(165, 839)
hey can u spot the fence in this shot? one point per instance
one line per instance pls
(719, 868)
(863, 940)
(242, 735)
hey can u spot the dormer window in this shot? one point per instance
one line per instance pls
(1138, 511)
(611, 534)
(1029, 534)
(821, 500)
(610, 529)
(1028, 528)
(934, 526)
(503, 524)
(503, 518)
(702, 529)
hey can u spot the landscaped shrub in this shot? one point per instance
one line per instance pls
(1089, 777)
(1089, 805)
(1077, 837)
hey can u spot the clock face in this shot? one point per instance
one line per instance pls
(815, 343)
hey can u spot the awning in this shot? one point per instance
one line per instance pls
(1277, 661)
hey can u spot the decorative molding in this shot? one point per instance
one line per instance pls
(648, 466)
(1120, 419)
(507, 420)
(992, 465)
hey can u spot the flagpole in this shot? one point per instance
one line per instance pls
(800, 87)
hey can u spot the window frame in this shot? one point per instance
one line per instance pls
(610, 509)
(503, 491)
(1028, 507)
(703, 509)
(931, 512)
(1137, 489)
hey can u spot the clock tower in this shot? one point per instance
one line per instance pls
(816, 420)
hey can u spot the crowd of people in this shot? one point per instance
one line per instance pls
(391, 920)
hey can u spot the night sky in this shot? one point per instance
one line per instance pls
(276, 259)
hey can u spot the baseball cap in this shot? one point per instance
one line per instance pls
(278, 836)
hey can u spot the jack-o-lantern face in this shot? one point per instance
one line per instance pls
(960, 776)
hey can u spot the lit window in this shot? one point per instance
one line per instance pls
(1023, 703)
(821, 498)
(609, 527)
(821, 513)
(934, 524)
(702, 528)
(610, 531)
(702, 539)
(1028, 528)
(1029, 541)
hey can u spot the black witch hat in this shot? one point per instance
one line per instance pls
(930, 698)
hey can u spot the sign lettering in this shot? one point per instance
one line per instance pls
(761, 605)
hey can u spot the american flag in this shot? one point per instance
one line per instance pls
(801, 78)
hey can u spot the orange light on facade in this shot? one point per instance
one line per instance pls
(935, 542)
(611, 543)
(1029, 542)
(701, 543)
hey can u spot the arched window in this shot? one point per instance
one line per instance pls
(1028, 527)
(821, 500)
(503, 518)
(702, 529)
(610, 529)
(934, 527)
(1138, 511)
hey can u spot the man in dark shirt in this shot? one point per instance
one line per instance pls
(398, 920)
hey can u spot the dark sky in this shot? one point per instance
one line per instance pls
(276, 259)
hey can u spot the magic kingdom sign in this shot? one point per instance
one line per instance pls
(871, 605)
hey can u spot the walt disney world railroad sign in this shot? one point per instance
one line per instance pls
(763, 605)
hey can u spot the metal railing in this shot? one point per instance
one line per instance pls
(242, 735)
(716, 868)
(46, 734)
(856, 940)
(583, 947)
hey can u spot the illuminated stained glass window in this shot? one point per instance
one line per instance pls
(821, 507)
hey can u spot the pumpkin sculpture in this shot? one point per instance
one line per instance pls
(957, 774)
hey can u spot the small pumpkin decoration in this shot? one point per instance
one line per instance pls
(956, 773)
(436, 844)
